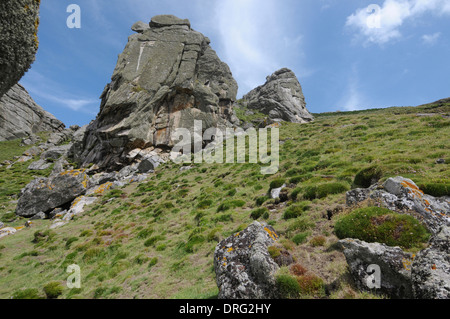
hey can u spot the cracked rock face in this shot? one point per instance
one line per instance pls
(21, 117)
(243, 265)
(167, 77)
(281, 98)
(19, 21)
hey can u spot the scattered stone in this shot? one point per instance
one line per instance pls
(243, 266)
(56, 152)
(440, 161)
(31, 140)
(34, 151)
(78, 206)
(45, 194)
(40, 215)
(281, 98)
(6, 231)
(275, 193)
(39, 165)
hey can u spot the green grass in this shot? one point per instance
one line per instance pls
(156, 239)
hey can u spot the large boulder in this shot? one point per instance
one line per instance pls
(431, 268)
(46, 194)
(167, 77)
(404, 196)
(19, 21)
(281, 98)
(21, 117)
(394, 267)
(243, 265)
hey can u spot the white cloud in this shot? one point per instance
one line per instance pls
(431, 38)
(253, 41)
(392, 14)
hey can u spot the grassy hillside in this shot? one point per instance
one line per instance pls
(157, 239)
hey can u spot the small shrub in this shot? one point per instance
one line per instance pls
(376, 224)
(300, 178)
(277, 183)
(153, 262)
(436, 189)
(261, 200)
(288, 286)
(310, 285)
(300, 238)
(204, 204)
(323, 190)
(318, 241)
(70, 241)
(257, 213)
(297, 270)
(295, 211)
(274, 251)
(53, 290)
(368, 176)
(29, 293)
(227, 205)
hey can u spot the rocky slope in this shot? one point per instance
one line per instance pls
(281, 98)
(167, 77)
(20, 116)
(19, 21)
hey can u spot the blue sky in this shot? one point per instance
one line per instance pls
(344, 57)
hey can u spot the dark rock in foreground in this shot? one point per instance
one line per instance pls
(19, 21)
(21, 117)
(281, 98)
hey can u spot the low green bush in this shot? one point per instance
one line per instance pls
(368, 176)
(300, 238)
(323, 190)
(259, 212)
(295, 211)
(277, 183)
(53, 290)
(288, 286)
(376, 224)
(435, 189)
(29, 293)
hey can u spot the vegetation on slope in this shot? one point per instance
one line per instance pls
(157, 239)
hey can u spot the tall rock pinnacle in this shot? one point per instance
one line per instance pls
(167, 77)
(281, 98)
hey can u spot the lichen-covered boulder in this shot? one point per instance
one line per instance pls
(19, 21)
(394, 265)
(167, 77)
(431, 268)
(404, 196)
(46, 194)
(244, 268)
(281, 98)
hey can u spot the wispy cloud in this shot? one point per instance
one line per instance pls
(253, 40)
(393, 14)
(53, 93)
(353, 99)
(431, 39)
